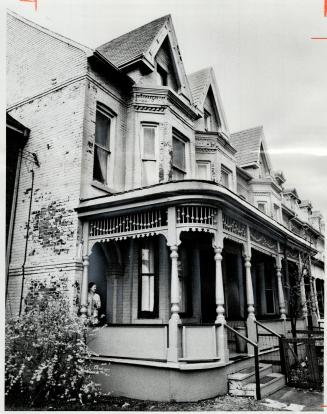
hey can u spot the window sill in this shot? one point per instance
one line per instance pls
(148, 321)
(102, 187)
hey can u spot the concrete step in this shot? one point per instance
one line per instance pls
(247, 375)
(268, 384)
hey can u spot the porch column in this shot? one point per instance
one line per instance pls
(174, 321)
(251, 327)
(303, 272)
(85, 275)
(314, 284)
(218, 242)
(313, 297)
(280, 289)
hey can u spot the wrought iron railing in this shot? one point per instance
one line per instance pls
(256, 359)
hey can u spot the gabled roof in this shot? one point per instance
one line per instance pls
(132, 45)
(248, 144)
(200, 83)
(291, 191)
(88, 51)
(143, 44)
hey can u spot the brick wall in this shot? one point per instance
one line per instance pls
(38, 65)
(38, 61)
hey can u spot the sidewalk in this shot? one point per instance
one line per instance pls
(294, 399)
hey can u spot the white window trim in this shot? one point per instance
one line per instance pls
(265, 206)
(177, 135)
(144, 158)
(208, 167)
(104, 110)
(227, 171)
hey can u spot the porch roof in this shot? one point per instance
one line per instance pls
(175, 192)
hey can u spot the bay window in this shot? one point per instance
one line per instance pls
(149, 154)
(203, 170)
(178, 159)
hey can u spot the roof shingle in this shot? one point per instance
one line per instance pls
(198, 82)
(247, 143)
(131, 45)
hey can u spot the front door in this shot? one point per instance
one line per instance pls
(208, 297)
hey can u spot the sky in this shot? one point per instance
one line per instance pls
(268, 68)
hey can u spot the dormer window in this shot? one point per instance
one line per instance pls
(163, 75)
(207, 121)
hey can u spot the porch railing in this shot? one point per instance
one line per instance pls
(270, 346)
(134, 341)
(199, 342)
(256, 359)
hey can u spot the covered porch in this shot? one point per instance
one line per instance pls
(171, 278)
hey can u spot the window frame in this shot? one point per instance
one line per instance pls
(179, 137)
(185, 281)
(163, 75)
(228, 172)
(207, 116)
(109, 114)
(141, 314)
(208, 168)
(148, 159)
(264, 203)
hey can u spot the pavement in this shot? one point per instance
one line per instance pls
(294, 399)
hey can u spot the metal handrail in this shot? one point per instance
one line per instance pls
(266, 328)
(256, 359)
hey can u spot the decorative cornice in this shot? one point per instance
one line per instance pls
(216, 137)
(263, 240)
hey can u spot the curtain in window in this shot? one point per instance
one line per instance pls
(100, 165)
(147, 279)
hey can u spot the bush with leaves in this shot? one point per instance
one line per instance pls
(47, 359)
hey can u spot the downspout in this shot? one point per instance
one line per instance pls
(26, 242)
(13, 218)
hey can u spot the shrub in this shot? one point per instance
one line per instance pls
(47, 359)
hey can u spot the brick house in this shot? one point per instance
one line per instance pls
(141, 188)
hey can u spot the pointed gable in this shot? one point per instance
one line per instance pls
(132, 45)
(206, 97)
(148, 44)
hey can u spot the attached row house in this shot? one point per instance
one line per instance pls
(129, 177)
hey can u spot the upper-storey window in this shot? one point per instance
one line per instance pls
(276, 212)
(149, 154)
(163, 75)
(103, 137)
(203, 170)
(225, 176)
(179, 157)
(262, 206)
(207, 121)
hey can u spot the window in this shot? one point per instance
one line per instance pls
(269, 293)
(148, 283)
(163, 75)
(207, 121)
(203, 170)
(179, 168)
(103, 136)
(149, 154)
(262, 206)
(184, 282)
(276, 212)
(225, 175)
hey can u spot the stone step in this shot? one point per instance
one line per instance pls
(268, 384)
(247, 375)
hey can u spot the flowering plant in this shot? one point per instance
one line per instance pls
(47, 358)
